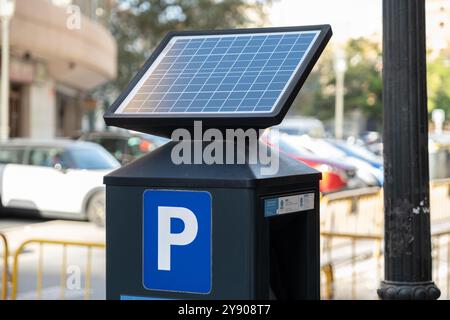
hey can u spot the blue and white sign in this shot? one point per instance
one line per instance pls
(288, 204)
(177, 241)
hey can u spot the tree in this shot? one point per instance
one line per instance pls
(363, 83)
(439, 83)
(316, 98)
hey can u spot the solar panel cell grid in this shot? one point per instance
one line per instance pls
(221, 73)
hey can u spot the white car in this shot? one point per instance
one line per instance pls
(56, 179)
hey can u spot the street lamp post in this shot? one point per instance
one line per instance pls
(6, 12)
(340, 67)
(406, 191)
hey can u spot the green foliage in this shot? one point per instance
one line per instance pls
(363, 83)
(439, 84)
(316, 98)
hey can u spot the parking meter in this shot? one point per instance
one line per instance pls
(215, 213)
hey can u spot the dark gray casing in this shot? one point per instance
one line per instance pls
(253, 257)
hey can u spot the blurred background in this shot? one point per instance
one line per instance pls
(67, 60)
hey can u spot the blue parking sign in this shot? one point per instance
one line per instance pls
(177, 241)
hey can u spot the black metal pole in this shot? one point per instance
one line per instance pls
(406, 191)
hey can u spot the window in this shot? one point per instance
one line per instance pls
(92, 158)
(12, 155)
(43, 157)
(116, 146)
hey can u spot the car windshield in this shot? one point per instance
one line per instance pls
(92, 158)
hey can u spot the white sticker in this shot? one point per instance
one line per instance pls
(289, 204)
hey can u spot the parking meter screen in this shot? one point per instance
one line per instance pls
(221, 73)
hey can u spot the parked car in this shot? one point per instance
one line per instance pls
(370, 175)
(336, 175)
(359, 152)
(56, 179)
(302, 126)
(372, 141)
(125, 146)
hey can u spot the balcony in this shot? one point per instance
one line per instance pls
(80, 58)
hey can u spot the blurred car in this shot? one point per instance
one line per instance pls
(336, 175)
(55, 179)
(372, 141)
(125, 146)
(359, 152)
(302, 126)
(321, 148)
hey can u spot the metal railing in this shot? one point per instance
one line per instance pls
(440, 200)
(5, 272)
(349, 251)
(352, 234)
(441, 260)
(354, 211)
(361, 211)
(41, 243)
(358, 249)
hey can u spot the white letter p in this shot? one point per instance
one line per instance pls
(166, 239)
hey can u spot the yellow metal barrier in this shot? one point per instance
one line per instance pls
(354, 216)
(328, 276)
(354, 211)
(361, 211)
(441, 260)
(440, 200)
(4, 295)
(65, 244)
(350, 243)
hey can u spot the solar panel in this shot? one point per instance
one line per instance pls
(245, 78)
(220, 73)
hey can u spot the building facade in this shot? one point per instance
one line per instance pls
(438, 26)
(60, 52)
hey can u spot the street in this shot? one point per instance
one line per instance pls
(8, 221)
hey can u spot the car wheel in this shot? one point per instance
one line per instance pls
(96, 209)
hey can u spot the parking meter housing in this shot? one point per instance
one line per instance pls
(255, 254)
